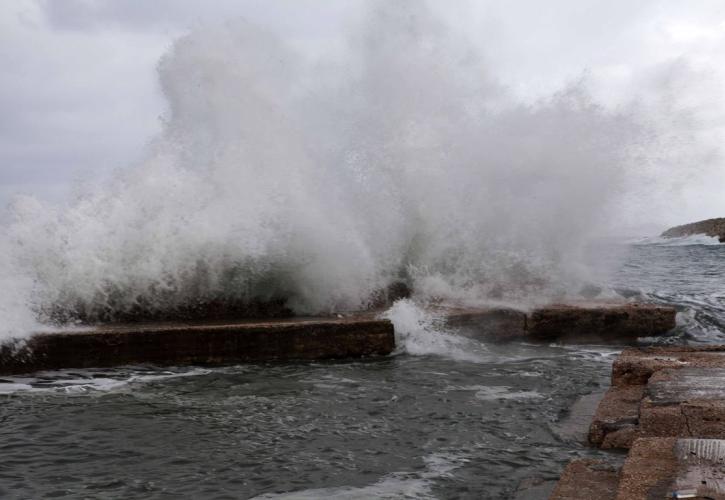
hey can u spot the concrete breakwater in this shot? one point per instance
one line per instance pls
(202, 343)
(667, 406)
(583, 322)
(709, 227)
(344, 336)
(662, 392)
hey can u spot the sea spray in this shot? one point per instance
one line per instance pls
(421, 332)
(274, 183)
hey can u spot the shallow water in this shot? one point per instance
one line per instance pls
(433, 425)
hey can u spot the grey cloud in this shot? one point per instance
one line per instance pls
(297, 17)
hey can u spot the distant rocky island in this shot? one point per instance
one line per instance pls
(709, 227)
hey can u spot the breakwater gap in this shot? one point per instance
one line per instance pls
(354, 335)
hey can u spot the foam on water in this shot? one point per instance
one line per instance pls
(490, 393)
(695, 239)
(397, 485)
(68, 382)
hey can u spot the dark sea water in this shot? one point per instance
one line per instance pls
(688, 276)
(464, 420)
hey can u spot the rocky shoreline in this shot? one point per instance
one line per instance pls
(710, 227)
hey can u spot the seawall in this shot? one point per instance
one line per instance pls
(355, 335)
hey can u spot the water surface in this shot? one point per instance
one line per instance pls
(466, 420)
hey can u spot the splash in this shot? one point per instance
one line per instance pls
(279, 184)
(420, 332)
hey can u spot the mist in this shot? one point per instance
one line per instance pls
(315, 184)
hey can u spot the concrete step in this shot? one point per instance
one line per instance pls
(673, 468)
(635, 366)
(203, 343)
(655, 468)
(587, 479)
(684, 402)
(615, 422)
(661, 392)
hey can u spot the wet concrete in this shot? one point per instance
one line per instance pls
(496, 324)
(684, 402)
(636, 366)
(667, 405)
(655, 468)
(615, 422)
(587, 479)
(673, 468)
(580, 323)
(662, 392)
(701, 467)
(204, 343)
(596, 322)
(344, 336)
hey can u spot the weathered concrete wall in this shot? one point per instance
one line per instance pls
(599, 322)
(355, 335)
(661, 392)
(673, 468)
(686, 402)
(578, 323)
(587, 479)
(636, 366)
(615, 423)
(176, 344)
(667, 405)
(498, 324)
(655, 468)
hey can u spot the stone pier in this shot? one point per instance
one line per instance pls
(577, 323)
(667, 406)
(662, 392)
(207, 343)
(343, 336)
(656, 468)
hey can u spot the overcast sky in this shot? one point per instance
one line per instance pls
(79, 94)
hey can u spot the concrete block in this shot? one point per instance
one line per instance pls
(636, 366)
(587, 479)
(673, 468)
(204, 343)
(615, 422)
(596, 322)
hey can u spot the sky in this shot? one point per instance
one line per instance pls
(79, 95)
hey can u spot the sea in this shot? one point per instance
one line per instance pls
(447, 417)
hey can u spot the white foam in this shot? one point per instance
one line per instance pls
(420, 332)
(695, 239)
(13, 387)
(495, 392)
(397, 485)
(503, 392)
(59, 383)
